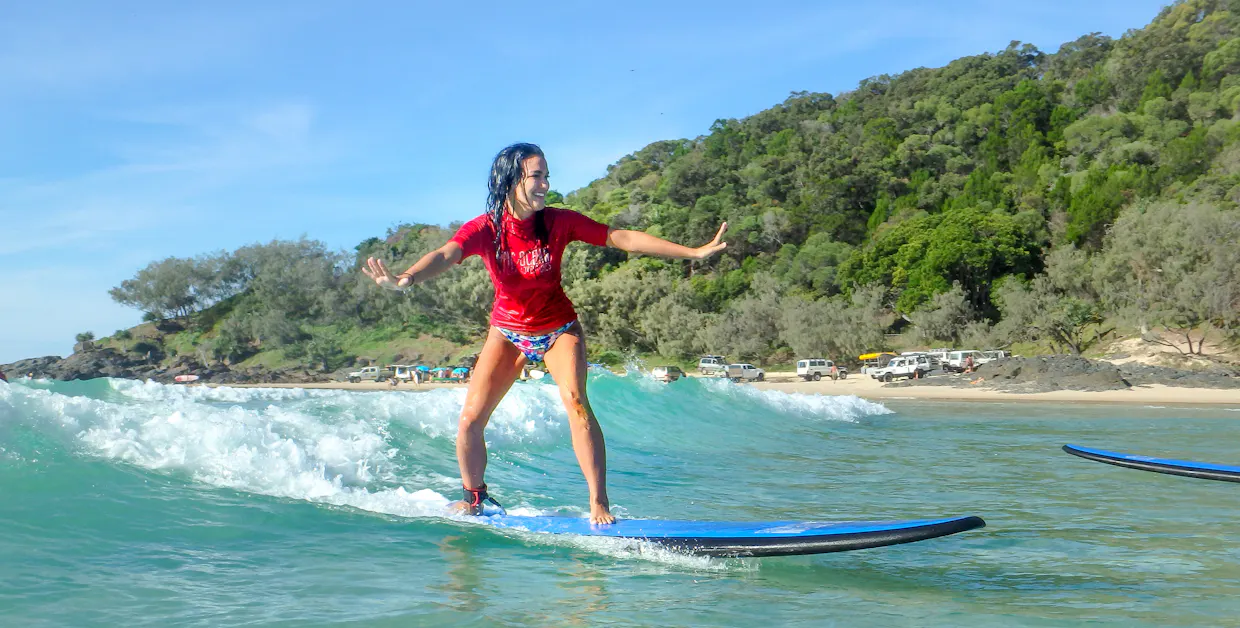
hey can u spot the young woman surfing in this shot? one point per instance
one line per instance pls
(521, 242)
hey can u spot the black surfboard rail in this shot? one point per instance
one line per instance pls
(1204, 471)
(824, 544)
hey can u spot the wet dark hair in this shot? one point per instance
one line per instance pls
(506, 173)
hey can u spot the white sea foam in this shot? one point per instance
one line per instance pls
(833, 407)
(528, 414)
(323, 446)
(154, 391)
(280, 450)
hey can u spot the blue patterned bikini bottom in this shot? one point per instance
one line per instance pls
(534, 347)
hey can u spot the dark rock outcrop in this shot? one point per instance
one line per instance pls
(109, 362)
(35, 367)
(1071, 372)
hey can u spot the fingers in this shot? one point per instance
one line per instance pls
(717, 244)
(376, 270)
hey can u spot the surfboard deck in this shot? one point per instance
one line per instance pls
(1202, 470)
(748, 538)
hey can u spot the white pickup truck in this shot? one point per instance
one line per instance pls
(909, 366)
(745, 372)
(817, 368)
(372, 373)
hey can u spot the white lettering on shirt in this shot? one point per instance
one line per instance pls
(529, 263)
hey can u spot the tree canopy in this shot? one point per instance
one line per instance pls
(954, 197)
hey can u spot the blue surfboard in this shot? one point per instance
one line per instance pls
(1203, 470)
(748, 538)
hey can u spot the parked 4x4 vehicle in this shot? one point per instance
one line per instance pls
(667, 374)
(372, 373)
(909, 366)
(818, 368)
(956, 360)
(712, 365)
(745, 372)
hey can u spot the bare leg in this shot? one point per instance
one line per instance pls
(566, 361)
(497, 368)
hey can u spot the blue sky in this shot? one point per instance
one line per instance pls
(145, 130)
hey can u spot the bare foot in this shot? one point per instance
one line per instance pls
(461, 507)
(600, 514)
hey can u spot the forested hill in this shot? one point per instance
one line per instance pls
(1018, 196)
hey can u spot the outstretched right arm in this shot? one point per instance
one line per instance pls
(429, 267)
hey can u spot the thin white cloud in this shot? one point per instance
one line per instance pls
(27, 231)
(45, 47)
(153, 185)
(44, 308)
(227, 139)
(288, 123)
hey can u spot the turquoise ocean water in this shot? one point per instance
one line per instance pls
(131, 503)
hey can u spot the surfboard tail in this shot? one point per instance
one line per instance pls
(1185, 468)
(822, 544)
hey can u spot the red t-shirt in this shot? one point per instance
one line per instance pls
(528, 294)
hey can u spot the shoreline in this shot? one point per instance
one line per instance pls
(867, 388)
(1138, 395)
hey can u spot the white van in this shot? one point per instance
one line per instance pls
(956, 360)
(817, 368)
(994, 354)
(403, 372)
(712, 365)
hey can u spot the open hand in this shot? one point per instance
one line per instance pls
(378, 271)
(715, 245)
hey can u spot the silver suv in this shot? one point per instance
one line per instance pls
(712, 365)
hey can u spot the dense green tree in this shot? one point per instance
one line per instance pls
(1059, 307)
(838, 327)
(1176, 267)
(925, 256)
(906, 187)
(944, 318)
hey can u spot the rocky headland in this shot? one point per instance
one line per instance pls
(108, 362)
(1070, 372)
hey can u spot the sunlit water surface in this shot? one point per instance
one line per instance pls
(131, 503)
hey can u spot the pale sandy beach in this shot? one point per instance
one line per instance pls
(867, 388)
(372, 386)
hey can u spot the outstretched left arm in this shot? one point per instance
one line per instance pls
(639, 242)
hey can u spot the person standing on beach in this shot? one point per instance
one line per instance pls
(521, 242)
